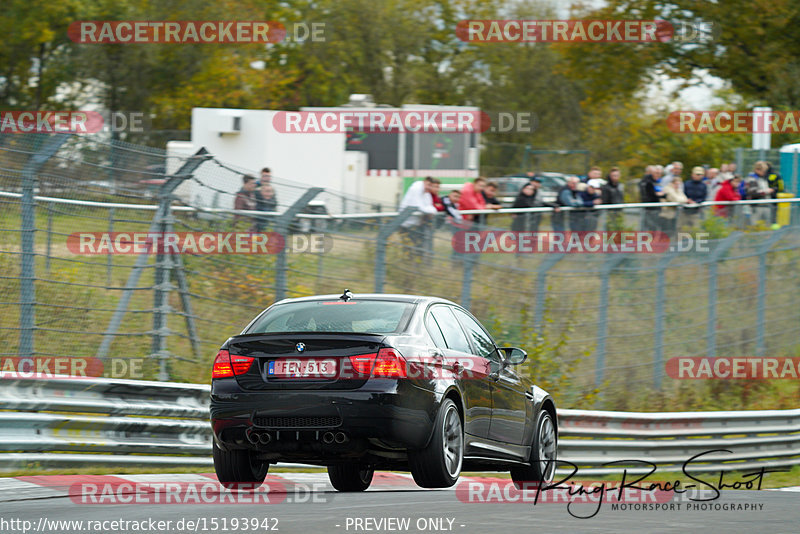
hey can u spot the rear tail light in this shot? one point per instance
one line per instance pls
(226, 366)
(362, 363)
(387, 363)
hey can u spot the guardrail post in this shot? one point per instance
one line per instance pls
(386, 230)
(27, 275)
(761, 305)
(282, 224)
(602, 320)
(658, 353)
(541, 289)
(711, 325)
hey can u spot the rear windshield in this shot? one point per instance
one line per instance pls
(365, 316)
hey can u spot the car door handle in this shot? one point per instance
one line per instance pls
(529, 395)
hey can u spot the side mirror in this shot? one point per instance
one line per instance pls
(514, 356)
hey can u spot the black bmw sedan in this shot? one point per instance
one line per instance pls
(363, 382)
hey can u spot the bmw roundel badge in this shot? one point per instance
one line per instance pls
(300, 347)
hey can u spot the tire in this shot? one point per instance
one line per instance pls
(544, 451)
(239, 468)
(438, 465)
(350, 477)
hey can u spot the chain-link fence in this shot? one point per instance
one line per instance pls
(611, 321)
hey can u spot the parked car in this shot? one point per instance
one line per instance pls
(509, 186)
(378, 381)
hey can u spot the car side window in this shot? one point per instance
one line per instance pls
(435, 332)
(453, 334)
(482, 341)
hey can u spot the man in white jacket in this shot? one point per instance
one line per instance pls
(420, 196)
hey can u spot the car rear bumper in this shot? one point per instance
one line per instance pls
(397, 413)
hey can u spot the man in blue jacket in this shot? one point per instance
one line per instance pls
(696, 191)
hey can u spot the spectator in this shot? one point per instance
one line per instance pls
(594, 177)
(471, 197)
(728, 192)
(696, 191)
(451, 203)
(669, 216)
(590, 197)
(674, 169)
(612, 193)
(245, 197)
(567, 197)
(490, 200)
(764, 171)
(526, 222)
(265, 201)
(266, 176)
(650, 193)
(419, 196)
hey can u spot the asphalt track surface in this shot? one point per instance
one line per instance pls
(306, 503)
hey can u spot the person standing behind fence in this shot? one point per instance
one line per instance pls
(728, 192)
(419, 196)
(650, 193)
(763, 169)
(490, 200)
(612, 193)
(590, 198)
(471, 197)
(526, 198)
(567, 197)
(696, 191)
(245, 197)
(265, 201)
(673, 192)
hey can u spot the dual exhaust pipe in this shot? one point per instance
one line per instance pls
(255, 437)
(329, 438)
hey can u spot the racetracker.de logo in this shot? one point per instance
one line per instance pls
(564, 31)
(181, 493)
(175, 31)
(92, 243)
(734, 122)
(509, 242)
(733, 368)
(382, 121)
(51, 122)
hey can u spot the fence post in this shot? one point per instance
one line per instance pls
(711, 325)
(761, 305)
(108, 256)
(282, 224)
(386, 230)
(182, 174)
(658, 353)
(27, 275)
(49, 237)
(541, 289)
(469, 261)
(602, 320)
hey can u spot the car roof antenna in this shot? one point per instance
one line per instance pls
(347, 295)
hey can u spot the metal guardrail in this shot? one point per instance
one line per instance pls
(75, 421)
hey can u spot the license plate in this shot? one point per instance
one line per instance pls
(302, 368)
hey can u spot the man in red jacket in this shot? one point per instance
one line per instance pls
(471, 197)
(728, 192)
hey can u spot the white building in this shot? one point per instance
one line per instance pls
(358, 176)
